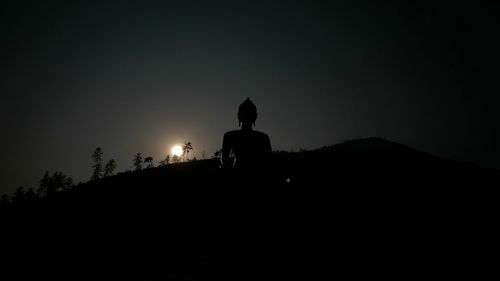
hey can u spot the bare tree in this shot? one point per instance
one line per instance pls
(30, 194)
(138, 161)
(109, 168)
(49, 185)
(68, 183)
(58, 182)
(176, 159)
(97, 167)
(185, 150)
(44, 187)
(165, 161)
(217, 153)
(149, 162)
(19, 196)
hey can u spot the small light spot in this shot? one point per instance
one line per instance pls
(287, 180)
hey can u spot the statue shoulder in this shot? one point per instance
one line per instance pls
(261, 134)
(231, 134)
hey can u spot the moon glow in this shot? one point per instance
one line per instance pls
(177, 150)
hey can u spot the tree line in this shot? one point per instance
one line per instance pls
(50, 184)
(138, 162)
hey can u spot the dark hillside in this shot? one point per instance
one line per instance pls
(360, 206)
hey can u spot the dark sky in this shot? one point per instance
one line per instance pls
(142, 76)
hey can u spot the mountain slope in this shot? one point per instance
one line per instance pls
(369, 196)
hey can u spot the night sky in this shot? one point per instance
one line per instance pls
(143, 76)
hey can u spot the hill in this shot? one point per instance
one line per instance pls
(365, 205)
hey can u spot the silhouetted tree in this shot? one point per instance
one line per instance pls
(149, 162)
(60, 182)
(49, 185)
(217, 153)
(165, 161)
(185, 150)
(30, 194)
(43, 188)
(176, 159)
(97, 167)
(19, 196)
(138, 161)
(68, 183)
(109, 168)
(203, 155)
(57, 181)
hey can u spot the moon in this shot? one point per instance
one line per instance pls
(177, 150)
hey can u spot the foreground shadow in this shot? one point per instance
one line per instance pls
(310, 211)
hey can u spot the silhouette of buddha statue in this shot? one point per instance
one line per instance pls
(251, 149)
